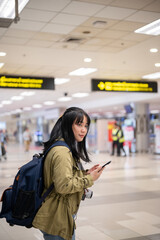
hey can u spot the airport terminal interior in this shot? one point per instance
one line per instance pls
(104, 57)
(125, 202)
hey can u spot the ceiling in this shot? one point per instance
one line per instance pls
(53, 37)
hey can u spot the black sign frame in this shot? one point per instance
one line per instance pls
(27, 82)
(107, 85)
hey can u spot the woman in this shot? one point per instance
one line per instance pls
(63, 167)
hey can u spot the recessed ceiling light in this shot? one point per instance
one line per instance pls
(150, 29)
(61, 80)
(87, 60)
(17, 98)
(153, 50)
(82, 71)
(37, 106)
(79, 95)
(152, 76)
(64, 99)
(28, 93)
(49, 103)
(6, 102)
(1, 105)
(2, 54)
(17, 111)
(157, 64)
(27, 108)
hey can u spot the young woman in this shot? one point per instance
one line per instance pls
(63, 167)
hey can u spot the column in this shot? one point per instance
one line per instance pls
(102, 135)
(142, 127)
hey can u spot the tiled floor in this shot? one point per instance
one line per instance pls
(125, 204)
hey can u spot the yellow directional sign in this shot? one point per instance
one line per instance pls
(26, 82)
(123, 86)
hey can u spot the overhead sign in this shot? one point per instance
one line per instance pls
(27, 82)
(123, 86)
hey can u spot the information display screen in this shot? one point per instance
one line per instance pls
(27, 82)
(123, 86)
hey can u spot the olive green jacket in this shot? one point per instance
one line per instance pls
(56, 214)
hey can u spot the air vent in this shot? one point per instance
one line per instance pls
(5, 22)
(99, 23)
(73, 40)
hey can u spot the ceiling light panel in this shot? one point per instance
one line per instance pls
(2, 54)
(152, 76)
(1, 65)
(37, 106)
(6, 102)
(64, 99)
(150, 29)
(87, 60)
(27, 108)
(59, 81)
(28, 93)
(7, 8)
(79, 95)
(49, 103)
(17, 98)
(153, 50)
(82, 71)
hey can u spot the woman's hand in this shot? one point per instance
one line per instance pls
(92, 169)
(97, 172)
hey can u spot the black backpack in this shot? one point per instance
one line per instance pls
(21, 201)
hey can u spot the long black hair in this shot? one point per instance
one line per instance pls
(63, 129)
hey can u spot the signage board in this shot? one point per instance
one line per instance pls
(26, 82)
(123, 86)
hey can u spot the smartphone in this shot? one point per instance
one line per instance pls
(104, 165)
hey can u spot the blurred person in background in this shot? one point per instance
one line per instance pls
(3, 141)
(121, 141)
(115, 138)
(27, 138)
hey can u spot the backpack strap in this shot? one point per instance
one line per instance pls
(58, 143)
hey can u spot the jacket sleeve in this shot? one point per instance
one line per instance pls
(67, 178)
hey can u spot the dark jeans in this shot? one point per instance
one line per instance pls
(52, 237)
(120, 146)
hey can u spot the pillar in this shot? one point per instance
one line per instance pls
(142, 127)
(102, 135)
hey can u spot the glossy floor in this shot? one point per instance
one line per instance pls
(125, 203)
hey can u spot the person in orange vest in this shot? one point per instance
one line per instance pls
(121, 140)
(115, 138)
